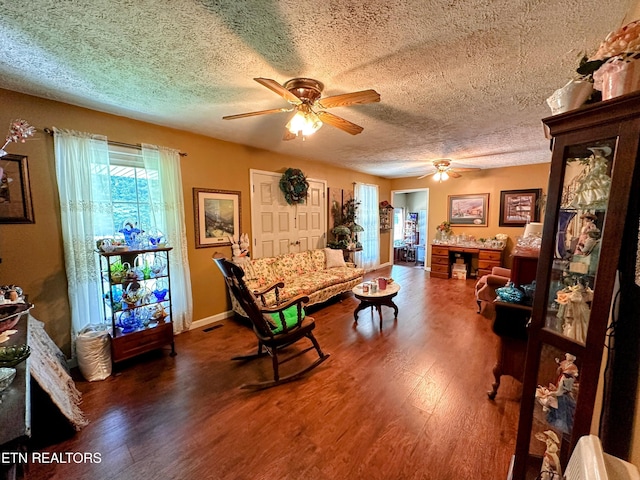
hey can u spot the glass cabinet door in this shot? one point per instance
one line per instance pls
(581, 218)
(554, 410)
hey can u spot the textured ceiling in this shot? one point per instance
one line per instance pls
(460, 79)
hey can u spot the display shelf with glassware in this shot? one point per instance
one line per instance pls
(410, 229)
(386, 216)
(592, 194)
(136, 287)
(410, 236)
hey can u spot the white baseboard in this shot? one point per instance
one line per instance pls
(209, 320)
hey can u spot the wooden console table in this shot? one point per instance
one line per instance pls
(442, 256)
(15, 409)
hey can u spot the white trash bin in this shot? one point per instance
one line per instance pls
(93, 349)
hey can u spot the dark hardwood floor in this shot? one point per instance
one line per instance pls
(407, 402)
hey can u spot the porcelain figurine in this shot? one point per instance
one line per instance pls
(570, 97)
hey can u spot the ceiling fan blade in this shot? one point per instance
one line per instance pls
(341, 123)
(279, 89)
(425, 175)
(453, 174)
(261, 112)
(466, 169)
(354, 98)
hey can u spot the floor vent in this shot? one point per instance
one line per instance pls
(213, 327)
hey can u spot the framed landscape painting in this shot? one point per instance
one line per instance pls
(519, 207)
(217, 216)
(469, 210)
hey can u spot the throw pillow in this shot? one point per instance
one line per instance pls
(290, 318)
(335, 258)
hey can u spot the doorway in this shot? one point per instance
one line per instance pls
(410, 222)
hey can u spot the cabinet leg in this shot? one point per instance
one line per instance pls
(173, 349)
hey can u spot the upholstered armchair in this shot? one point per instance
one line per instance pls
(487, 285)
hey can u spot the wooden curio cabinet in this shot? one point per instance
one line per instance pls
(593, 192)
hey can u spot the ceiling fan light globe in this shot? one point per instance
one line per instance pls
(304, 123)
(440, 176)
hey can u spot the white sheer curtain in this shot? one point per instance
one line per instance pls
(368, 217)
(82, 171)
(83, 175)
(167, 208)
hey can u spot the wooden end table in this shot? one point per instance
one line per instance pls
(510, 325)
(376, 300)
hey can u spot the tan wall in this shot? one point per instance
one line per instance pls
(32, 255)
(491, 181)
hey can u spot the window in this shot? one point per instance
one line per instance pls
(398, 225)
(129, 185)
(368, 217)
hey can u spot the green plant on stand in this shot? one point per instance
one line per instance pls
(345, 226)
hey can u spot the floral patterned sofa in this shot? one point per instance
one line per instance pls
(320, 274)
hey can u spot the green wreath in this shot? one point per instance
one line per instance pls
(294, 186)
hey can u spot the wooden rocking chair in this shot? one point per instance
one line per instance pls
(273, 335)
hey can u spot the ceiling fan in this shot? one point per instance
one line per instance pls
(304, 95)
(444, 170)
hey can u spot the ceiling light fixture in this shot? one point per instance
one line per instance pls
(305, 122)
(440, 176)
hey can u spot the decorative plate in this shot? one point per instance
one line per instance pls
(13, 355)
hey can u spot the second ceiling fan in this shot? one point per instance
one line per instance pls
(304, 95)
(444, 170)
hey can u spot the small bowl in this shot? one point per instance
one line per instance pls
(13, 355)
(6, 377)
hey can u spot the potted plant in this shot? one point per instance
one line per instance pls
(345, 228)
(615, 67)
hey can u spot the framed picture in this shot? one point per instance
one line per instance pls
(217, 216)
(469, 210)
(518, 207)
(15, 192)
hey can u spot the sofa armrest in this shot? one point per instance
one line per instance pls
(496, 280)
(501, 272)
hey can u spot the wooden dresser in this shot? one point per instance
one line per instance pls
(442, 256)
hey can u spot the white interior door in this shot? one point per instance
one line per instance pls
(278, 227)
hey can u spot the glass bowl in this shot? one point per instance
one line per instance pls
(12, 356)
(10, 310)
(11, 313)
(6, 377)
